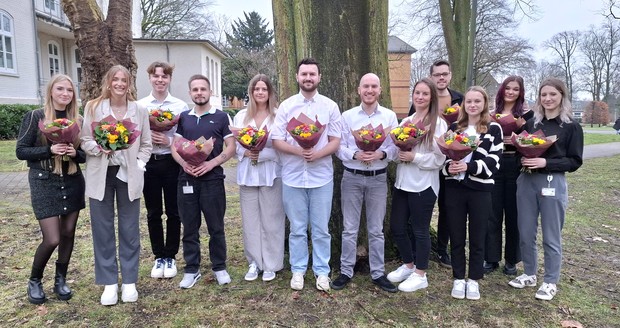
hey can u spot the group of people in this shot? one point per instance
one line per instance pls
(285, 180)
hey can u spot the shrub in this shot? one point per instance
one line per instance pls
(11, 118)
(230, 111)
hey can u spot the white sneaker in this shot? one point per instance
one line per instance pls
(400, 274)
(222, 277)
(322, 283)
(110, 295)
(458, 289)
(413, 283)
(269, 275)
(129, 293)
(546, 291)
(189, 280)
(523, 281)
(170, 268)
(297, 281)
(252, 272)
(473, 290)
(158, 268)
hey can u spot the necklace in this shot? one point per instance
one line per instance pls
(119, 112)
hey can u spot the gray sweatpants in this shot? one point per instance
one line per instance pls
(552, 209)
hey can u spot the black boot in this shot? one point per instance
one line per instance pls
(62, 291)
(36, 295)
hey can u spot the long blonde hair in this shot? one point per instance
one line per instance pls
(271, 99)
(72, 113)
(566, 114)
(106, 86)
(485, 119)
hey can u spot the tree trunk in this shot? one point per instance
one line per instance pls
(102, 43)
(349, 39)
(455, 19)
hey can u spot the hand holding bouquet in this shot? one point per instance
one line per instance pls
(194, 152)
(112, 135)
(408, 135)
(162, 120)
(508, 122)
(451, 113)
(60, 131)
(305, 131)
(369, 138)
(456, 145)
(251, 138)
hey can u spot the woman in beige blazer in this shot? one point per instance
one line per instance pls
(120, 175)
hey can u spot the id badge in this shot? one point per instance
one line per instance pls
(187, 189)
(548, 192)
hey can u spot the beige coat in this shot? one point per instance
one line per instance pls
(97, 161)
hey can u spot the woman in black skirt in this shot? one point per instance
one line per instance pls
(56, 185)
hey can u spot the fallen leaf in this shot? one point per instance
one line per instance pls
(571, 324)
(599, 239)
(295, 295)
(614, 306)
(41, 310)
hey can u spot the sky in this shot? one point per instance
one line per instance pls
(555, 16)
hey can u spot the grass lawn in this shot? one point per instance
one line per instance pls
(588, 290)
(597, 138)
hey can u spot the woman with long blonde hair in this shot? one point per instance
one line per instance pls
(56, 185)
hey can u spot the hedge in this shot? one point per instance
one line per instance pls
(11, 119)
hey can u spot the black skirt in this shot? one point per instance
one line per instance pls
(54, 195)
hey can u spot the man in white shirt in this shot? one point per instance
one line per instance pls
(307, 175)
(364, 181)
(161, 175)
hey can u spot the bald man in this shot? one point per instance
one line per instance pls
(364, 181)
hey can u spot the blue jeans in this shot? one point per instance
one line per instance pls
(303, 207)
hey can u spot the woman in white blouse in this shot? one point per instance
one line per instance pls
(415, 191)
(260, 186)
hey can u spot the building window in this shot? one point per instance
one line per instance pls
(77, 63)
(7, 44)
(50, 4)
(54, 58)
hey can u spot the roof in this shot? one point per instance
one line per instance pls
(207, 42)
(396, 45)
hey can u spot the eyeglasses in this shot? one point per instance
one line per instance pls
(444, 74)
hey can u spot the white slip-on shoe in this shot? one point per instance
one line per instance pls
(109, 295)
(129, 293)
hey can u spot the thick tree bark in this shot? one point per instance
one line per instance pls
(103, 43)
(455, 22)
(349, 39)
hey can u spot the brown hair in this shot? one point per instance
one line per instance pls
(271, 100)
(167, 68)
(485, 119)
(433, 111)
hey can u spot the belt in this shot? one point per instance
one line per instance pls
(159, 157)
(366, 173)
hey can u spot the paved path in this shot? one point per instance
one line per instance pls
(14, 185)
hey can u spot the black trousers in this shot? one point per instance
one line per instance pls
(504, 197)
(465, 205)
(443, 229)
(161, 175)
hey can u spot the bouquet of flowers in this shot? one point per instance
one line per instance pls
(457, 145)
(251, 138)
(305, 131)
(368, 138)
(162, 120)
(451, 113)
(114, 135)
(60, 130)
(532, 145)
(408, 135)
(194, 151)
(508, 122)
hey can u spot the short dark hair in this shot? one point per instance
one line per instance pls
(439, 62)
(309, 61)
(167, 68)
(198, 77)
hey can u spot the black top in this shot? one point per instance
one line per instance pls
(566, 154)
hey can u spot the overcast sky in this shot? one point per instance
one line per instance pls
(555, 16)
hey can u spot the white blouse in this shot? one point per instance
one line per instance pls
(268, 167)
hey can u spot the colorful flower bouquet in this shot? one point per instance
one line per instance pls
(194, 152)
(251, 138)
(368, 138)
(114, 135)
(451, 113)
(532, 145)
(59, 131)
(162, 120)
(408, 135)
(305, 131)
(508, 122)
(456, 145)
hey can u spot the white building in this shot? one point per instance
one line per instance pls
(36, 42)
